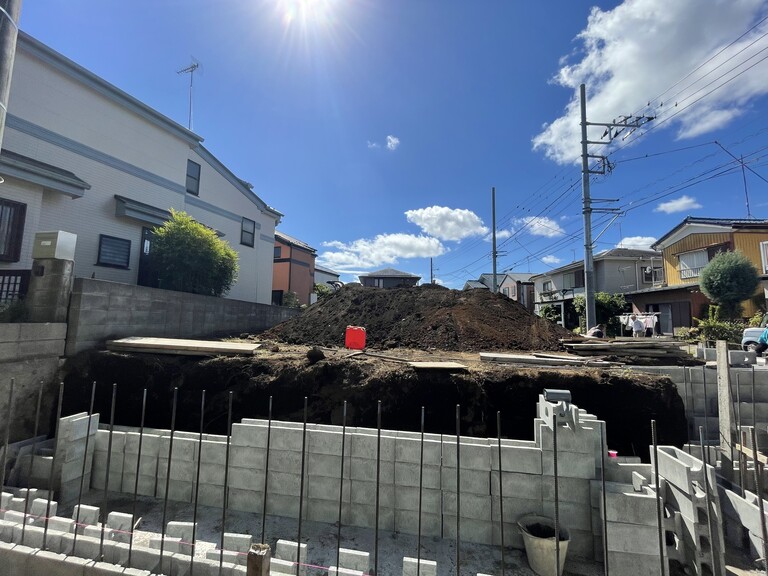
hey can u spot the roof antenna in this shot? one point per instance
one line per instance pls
(191, 71)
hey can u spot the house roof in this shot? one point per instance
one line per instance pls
(704, 223)
(326, 271)
(388, 273)
(46, 175)
(514, 276)
(614, 253)
(474, 285)
(285, 239)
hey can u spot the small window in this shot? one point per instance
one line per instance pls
(12, 216)
(505, 291)
(114, 252)
(247, 232)
(764, 255)
(547, 286)
(193, 178)
(278, 251)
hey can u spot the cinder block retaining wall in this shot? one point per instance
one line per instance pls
(29, 353)
(101, 310)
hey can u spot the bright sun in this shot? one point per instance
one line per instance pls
(306, 13)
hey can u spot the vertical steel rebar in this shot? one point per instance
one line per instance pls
(378, 486)
(301, 487)
(225, 500)
(688, 406)
(738, 433)
(341, 480)
(421, 486)
(197, 483)
(85, 461)
(659, 512)
(602, 488)
(138, 471)
(759, 492)
(266, 475)
(501, 491)
(31, 460)
(555, 425)
(754, 403)
(7, 434)
(706, 414)
(458, 489)
(708, 503)
(105, 507)
(53, 465)
(168, 476)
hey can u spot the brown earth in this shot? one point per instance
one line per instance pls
(426, 317)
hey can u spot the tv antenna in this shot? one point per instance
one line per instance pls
(191, 71)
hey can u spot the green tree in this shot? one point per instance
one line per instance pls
(323, 291)
(727, 280)
(607, 307)
(550, 312)
(291, 300)
(189, 257)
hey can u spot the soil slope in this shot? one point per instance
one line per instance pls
(426, 317)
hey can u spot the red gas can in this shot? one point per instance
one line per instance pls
(355, 338)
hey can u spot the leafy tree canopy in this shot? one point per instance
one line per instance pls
(727, 280)
(189, 257)
(607, 307)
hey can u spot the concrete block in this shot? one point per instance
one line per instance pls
(150, 444)
(365, 515)
(365, 469)
(179, 470)
(245, 478)
(230, 556)
(216, 452)
(247, 457)
(237, 542)
(326, 465)
(407, 498)
(5, 500)
(282, 505)
(245, 500)
(53, 564)
(285, 484)
(365, 446)
(287, 567)
(17, 505)
(212, 474)
(407, 522)
(516, 458)
(633, 538)
(15, 559)
(572, 515)
(582, 441)
(407, 474)
(145, 559)
(738, 357)
(147, 467)
(254, 436)
(517, 485)
(101, 442)
(335, 571)
(84, 514)
(327, 442)
(102, 569)
(474, 456)
(31, 536)
(147, 485)
(288, 550)
(408, 450)
(365, 493)
(74, 469)
(39, 507)
(182, 530)
(171, 545)
(326, 511)
(184, 449)
(569, 464)
(569, 489)
(283, 438)
(282, 461)
(84, 547)
(324, 488)
(474, 507)
(631, 564)
(208, 495)
(424, 567)
(178, 490)
(354, 560)
(472, 481)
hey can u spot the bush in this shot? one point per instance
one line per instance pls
(189, 257)
(550, 312)
(13, 312)
(727, 280)
(713, 328)
(607, 307)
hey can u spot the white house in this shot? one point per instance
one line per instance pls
(81, 155)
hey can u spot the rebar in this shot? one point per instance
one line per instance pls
(759, 491)
(341, 480)
(168, 476)
(225, 500)
(7, 434)
(266, 475)
(301, 487)
(31, 460)
(85, 461)
(421, 486)
(708, 503)
(458, 489)
(105, 507)
(659, 511)
(754, 404)
(688, 407)
(602, 488)
(53, 465)
(557, 491)
(501, 491)
(738, 434)
(706, 413)
(378, 481)
(197, 483)
(138, 471)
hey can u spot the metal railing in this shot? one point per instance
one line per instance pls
(13, 285)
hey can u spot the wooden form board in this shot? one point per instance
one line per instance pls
(182, 347)
(437, 365)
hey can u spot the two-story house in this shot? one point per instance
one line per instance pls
(686, 250)
(82, 156)
(389, 278)
(619, 270)
(514, 285)
(293, 269)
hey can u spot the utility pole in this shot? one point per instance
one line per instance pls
(9, 29)
(613, 129)
(431, 272)
(191, 71)
(494, 254)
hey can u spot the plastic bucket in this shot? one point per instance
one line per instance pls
(354, 339)
(539, 539)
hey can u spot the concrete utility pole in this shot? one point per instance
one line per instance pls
(494, 253)
(613, 129)
(9, 30)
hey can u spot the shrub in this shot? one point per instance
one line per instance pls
(713, 328)
(607, 307)
(550, 312)
(189, 257)
(727, 280)
(13, 312)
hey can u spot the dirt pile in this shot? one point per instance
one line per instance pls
(423, 317)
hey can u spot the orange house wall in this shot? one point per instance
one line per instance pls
(289, 276)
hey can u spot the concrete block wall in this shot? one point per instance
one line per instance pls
(101, 310)
(71, 453)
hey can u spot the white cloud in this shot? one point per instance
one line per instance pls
(447, 223)
(638, 242)
(551, 260)
(384, 249)
(392, 142)
(630, 55)
(678, 205)
(373, 145)
(500, 235)
(540, 226)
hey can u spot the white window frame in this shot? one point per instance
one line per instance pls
(691, 263)
(764, 256)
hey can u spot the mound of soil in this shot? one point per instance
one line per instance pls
(423, 317)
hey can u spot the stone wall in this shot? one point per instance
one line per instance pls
(101, 310)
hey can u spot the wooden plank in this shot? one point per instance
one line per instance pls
(528, 359)
(182, 347)
(750, 454)
(437, 366)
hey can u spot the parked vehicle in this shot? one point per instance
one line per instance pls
(749, 338)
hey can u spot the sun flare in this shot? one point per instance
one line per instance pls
(306, 13)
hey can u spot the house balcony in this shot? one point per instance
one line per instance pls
(686, 273)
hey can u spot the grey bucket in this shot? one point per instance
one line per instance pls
(541, 550)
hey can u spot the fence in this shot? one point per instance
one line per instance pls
(13, 285)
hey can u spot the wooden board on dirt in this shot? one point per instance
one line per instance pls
(182, 347)
(451, 366)
(527, 359)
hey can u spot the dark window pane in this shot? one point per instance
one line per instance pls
(114, 252)
(12, 215)
(277, 251)
(247, 232)
(193, 177)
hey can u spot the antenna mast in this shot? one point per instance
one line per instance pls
(191, 71)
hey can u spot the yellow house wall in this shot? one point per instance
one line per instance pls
(688, 244)
(748, 243)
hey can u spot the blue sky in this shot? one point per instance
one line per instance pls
(379, 127)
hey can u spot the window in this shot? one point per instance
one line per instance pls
(278, 251)
(573, 279)
(114, 252)
(691, 263)
(764, 255)
(505, 291)
(193, 178)
(247, 232)
(547, 286)
(12, 216)
(652, 275)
